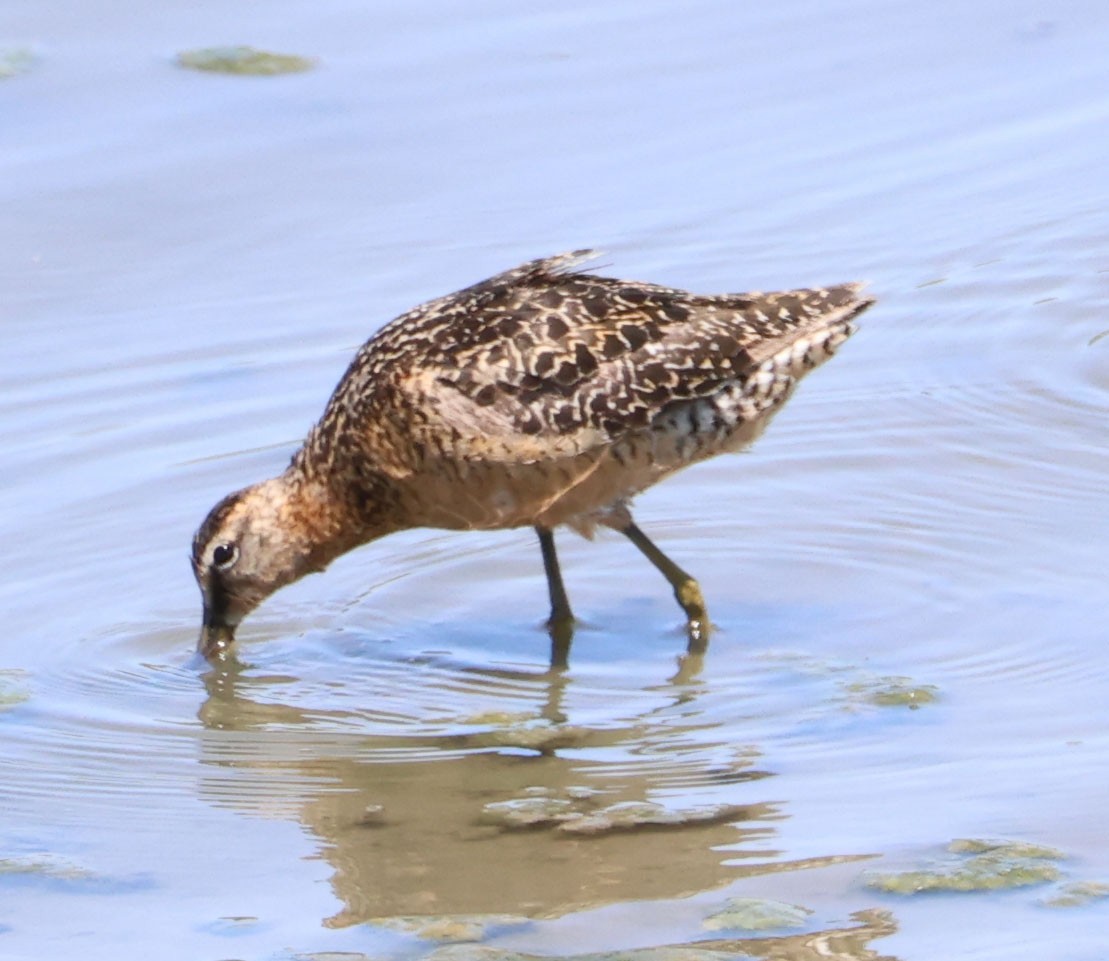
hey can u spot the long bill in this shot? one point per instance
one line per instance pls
(215, 637)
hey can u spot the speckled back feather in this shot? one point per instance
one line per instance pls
(543, 361)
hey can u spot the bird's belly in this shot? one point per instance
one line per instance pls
(488, 495)
(484, 495)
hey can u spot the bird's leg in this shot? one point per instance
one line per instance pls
(561, 624)
(686, 589)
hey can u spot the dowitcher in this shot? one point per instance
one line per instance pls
(540, 397)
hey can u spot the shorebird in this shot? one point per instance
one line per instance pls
(544, 396)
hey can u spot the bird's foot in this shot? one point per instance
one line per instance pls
(698, 625)
(561, 630)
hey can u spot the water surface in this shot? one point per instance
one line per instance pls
(188, 261)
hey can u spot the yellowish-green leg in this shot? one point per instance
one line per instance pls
(561, 624)
(686, 589)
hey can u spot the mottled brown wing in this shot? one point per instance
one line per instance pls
(542, 363)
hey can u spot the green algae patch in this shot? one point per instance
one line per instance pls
(14, 61)
(44, 866)
(666, 953)
(482, 952)
(13, 688)
(243, 60)
(529, 812)
(230, 925)
(498, 718)
(539, 736)
(1015, 849)
(892, 692)
(477, 952)
(845, 942)
(975, 865)
(525, 731)
(756, 914)
(855, 688)
(578, 811)
(333, 956)
(634, 815)
(1077, 893)
(452, 929)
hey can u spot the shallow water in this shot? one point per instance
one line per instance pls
(188, 261)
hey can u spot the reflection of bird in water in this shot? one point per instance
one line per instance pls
(542, 396)
(410, 810)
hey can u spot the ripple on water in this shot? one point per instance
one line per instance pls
(275, 730)
(74, 739)
(914, 523)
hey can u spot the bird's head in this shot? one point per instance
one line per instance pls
(252, 543)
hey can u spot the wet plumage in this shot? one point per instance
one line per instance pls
(542, 396)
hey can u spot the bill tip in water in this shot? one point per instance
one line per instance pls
(215, 641)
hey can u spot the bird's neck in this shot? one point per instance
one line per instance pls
(338, 510)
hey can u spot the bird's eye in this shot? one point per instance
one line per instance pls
(225, 555)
